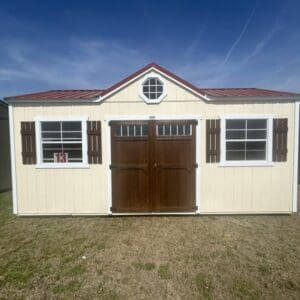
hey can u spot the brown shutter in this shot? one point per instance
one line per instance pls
(94, 142)
(212, 141)
(280, 129)
(28, 143)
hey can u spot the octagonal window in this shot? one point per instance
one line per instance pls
(153, 88)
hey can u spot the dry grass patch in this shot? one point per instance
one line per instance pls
(220, 257)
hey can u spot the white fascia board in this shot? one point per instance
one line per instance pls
(52, 101)
(250, 99)
(296, 158)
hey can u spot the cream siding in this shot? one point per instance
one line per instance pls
(222, 189)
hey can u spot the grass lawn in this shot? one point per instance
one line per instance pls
(190, 257)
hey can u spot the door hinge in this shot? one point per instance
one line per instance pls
(196, 165)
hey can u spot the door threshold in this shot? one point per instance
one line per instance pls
(154, 213)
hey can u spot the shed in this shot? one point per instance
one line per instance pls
(5, 176)
(154, 143)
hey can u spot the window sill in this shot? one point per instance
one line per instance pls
(246, 164)
(62, 166)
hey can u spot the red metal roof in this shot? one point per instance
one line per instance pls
(245, 92)
(209, 92)
(59, 94)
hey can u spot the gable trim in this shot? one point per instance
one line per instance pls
(142, 72)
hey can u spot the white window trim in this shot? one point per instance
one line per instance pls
(141, 93)
(40, 164)
(247, 163)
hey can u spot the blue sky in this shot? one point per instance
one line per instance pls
(93, 44)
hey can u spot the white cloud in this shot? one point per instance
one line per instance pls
(236, 42)
(83, 64)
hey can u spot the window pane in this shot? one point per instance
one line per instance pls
(152, 89)
(49, 150)
(235, 134)
(71, 126)
(145, 130)
(235, 155)
(152, 96)
(167, 129)
(256, 155)
(50, 126)
(152, 81)
(145, 89)
(235, 146)
(255, 145)
(257, 124)
(256, 134)
(131, 130)
(180, 129)
(118, 130)
(174, 129)
(51, 136)
(235, 124)
(72, 136)
(124, 130)
(160, 130)
(138, 130)
(147, 95)
(160, 88)
(188, 130)
(74, 152)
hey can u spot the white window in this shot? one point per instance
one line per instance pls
(61, 143)
(174, 129)
(246, 141)
(152, 88)
(131, 130)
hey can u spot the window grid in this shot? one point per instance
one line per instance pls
(174, 130)
(67, 145)
(153, 88)
(246, 149)
(131, 130)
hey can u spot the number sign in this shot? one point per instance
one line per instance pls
(60, 157)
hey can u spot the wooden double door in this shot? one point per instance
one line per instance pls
(153, 166)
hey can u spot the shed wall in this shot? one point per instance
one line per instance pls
(222, 189)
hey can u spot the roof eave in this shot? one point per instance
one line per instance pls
(57, 101)
(251, 98)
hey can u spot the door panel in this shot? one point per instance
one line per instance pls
(153, 166)
(130, 169)
(174, 192)
(175, 161)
